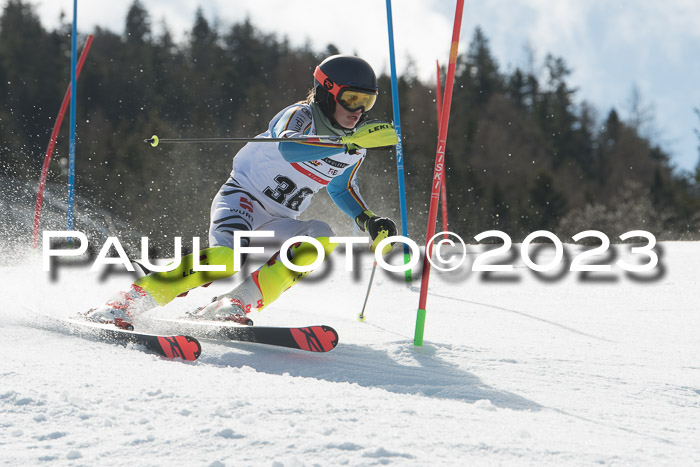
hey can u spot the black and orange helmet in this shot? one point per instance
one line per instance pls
(346, 80)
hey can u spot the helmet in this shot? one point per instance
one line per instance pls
(346, 80)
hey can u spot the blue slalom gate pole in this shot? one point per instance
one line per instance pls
(399, 146)
(71, 149)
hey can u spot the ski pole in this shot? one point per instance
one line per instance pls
(336, 140)
(361, 316)
(370, 135)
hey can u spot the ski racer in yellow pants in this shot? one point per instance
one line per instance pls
(270, 185)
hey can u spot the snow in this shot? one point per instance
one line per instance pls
(517, 369)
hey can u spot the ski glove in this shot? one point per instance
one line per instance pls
(378, 228)
(351, 148)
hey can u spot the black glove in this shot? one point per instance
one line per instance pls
(378, 228)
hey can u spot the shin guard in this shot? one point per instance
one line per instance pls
(274, 277)
(165, 286)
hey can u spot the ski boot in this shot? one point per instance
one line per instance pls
(223, 309)
(120, 310)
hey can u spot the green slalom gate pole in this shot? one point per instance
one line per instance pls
(420, 328)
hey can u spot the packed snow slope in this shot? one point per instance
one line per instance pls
(518, 368)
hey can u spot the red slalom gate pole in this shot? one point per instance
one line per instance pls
(443, 190)
(438, 175)
(52, 143)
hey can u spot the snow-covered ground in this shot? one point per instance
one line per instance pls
(517, 369)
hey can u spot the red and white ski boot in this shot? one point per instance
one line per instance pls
(223, 309)
(120, 309)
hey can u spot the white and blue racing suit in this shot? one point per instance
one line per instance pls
(271, 184)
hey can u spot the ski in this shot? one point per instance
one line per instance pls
(318, 338)
(310, 338)
(169, 346)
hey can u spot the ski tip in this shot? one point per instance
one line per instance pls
(332, 334)
(315, 338)
(180, 347)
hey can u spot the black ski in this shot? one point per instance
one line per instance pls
(319, 338)
(310, 338)
(169, 346)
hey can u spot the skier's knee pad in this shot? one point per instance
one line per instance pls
(274, 277)
(165, 286)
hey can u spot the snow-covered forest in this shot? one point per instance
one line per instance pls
(526, 151)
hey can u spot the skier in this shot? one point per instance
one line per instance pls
(269, 187)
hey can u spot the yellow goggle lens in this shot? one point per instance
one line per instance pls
(353, 100)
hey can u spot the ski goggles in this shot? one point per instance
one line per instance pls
(350, 98)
